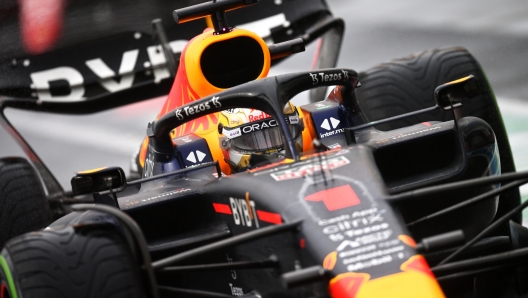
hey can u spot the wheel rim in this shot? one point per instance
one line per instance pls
(7, 290)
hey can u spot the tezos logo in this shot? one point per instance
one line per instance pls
(314, 78)
(197, 108)
(345, 74)
(331, 77)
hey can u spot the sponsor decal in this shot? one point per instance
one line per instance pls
(243, 213)
(170, 193)
(326, 125)
(259, 126)
(355, 214)
(330, 230)
(196, 156)
(347, 225)
(299, 172)
(262, 121)
(374, 254)
(233, 272)
(370, 263)
(365, 239)
(345, 74)
(389, 243)
(230, 111)
(315, 80)
(357, 251)
(185, 139)
(230, 134)
(236, 291)
(328, 77)
(331, 133)
(334, 146)
(321, 106)
(265, 124)
(257, 116)
(400, 136)
(335, 198)
(197, 108)
(331, 125)
(113, 80)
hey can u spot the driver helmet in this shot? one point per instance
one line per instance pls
(250, 137)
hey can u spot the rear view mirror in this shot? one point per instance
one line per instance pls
(453, 94)
(101, 180)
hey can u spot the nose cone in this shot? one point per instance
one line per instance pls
(414, 280)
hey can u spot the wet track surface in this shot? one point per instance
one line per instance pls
(496, 33)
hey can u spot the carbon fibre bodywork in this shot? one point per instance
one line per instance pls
(340, 195)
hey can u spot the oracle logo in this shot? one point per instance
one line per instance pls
(259, 126)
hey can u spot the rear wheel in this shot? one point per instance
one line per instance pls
(86, 261)
(23, 204)
(407, 84)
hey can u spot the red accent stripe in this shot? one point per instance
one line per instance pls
(426, 124)
(273, 218)
(3, 290)
(222, 208)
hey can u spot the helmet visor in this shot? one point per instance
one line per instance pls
(262, 140)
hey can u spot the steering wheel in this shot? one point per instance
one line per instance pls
(269, 95)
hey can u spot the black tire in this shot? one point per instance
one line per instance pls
(23, 204)
(407, 84)
(87, 261)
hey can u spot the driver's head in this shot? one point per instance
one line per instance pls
(249, 137)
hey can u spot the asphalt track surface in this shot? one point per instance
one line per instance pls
(495, 32)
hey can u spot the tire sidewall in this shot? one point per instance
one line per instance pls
(8, 276)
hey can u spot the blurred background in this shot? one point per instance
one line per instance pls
(495, 32)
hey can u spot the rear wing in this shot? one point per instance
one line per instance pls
(80, 76)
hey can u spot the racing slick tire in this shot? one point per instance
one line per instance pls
(23, 204)
(85, 261)
(408, 84)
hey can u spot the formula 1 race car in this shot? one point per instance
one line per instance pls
(381, 189)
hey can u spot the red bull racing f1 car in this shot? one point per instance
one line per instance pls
(393, 185)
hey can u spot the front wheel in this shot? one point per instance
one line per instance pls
(86, 261)
(408, 84)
